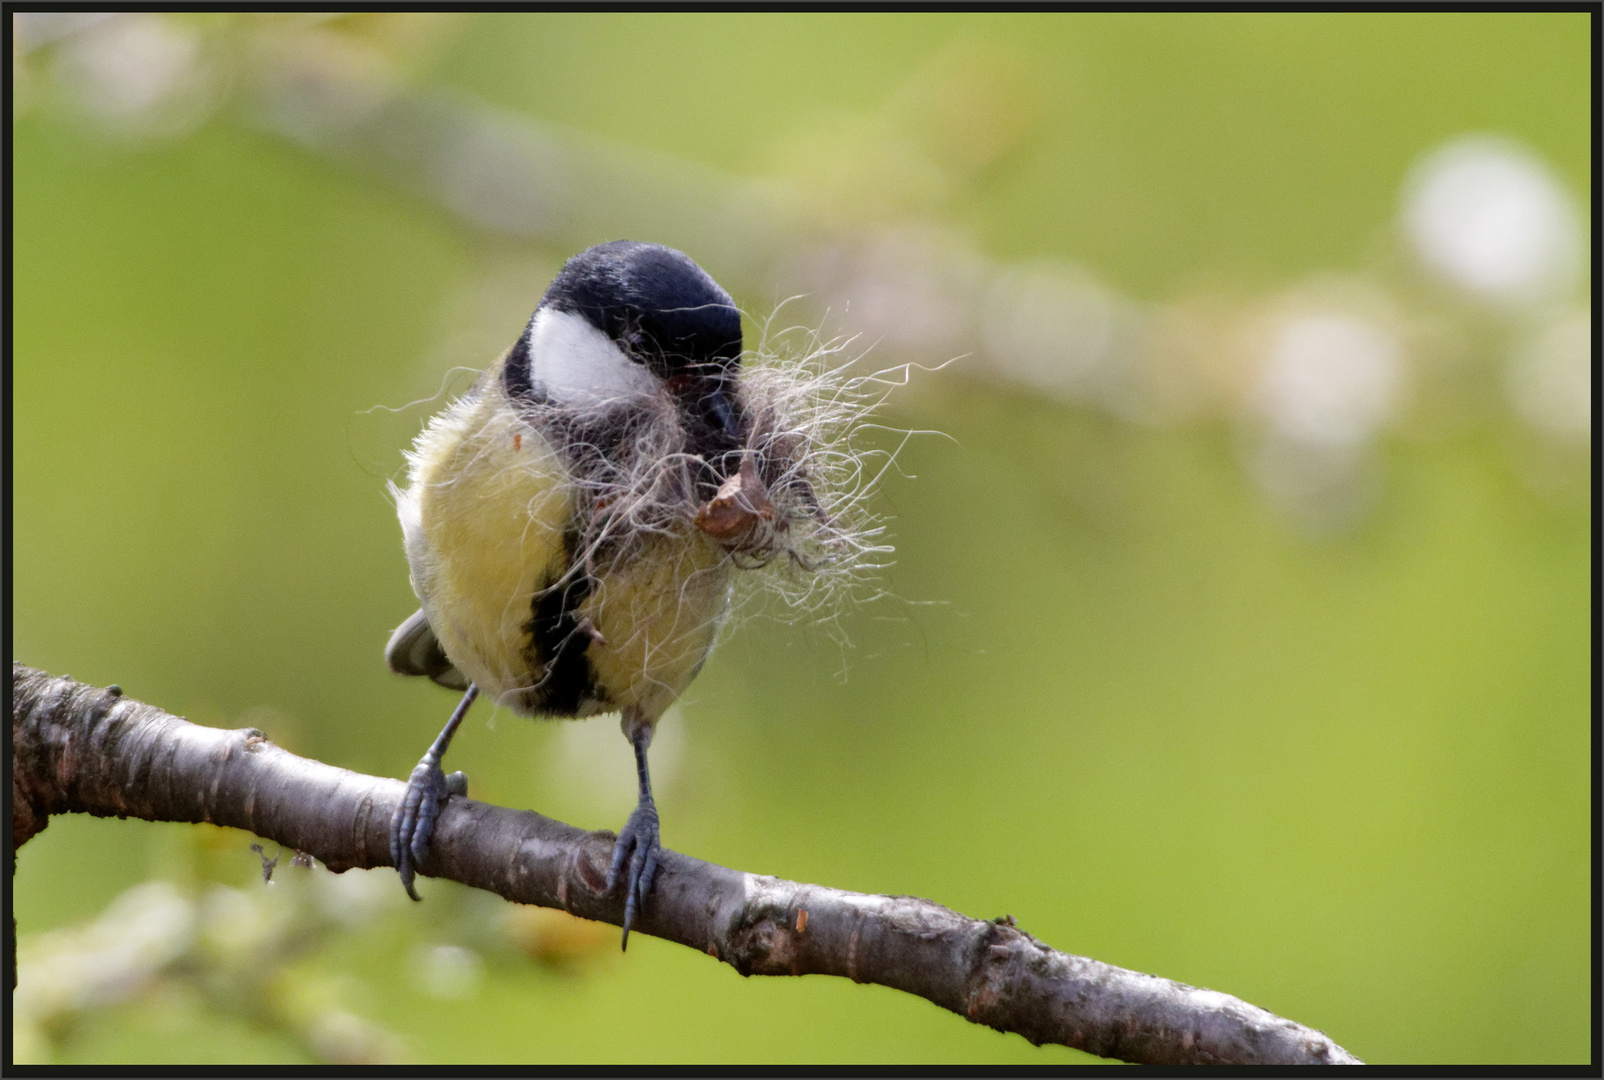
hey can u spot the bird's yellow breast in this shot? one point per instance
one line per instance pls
(488, 518)
(657, 617)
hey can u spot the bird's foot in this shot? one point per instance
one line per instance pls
(413, 825)
(638, 847)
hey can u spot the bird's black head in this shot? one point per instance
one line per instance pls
(660, 307)
(663, 313)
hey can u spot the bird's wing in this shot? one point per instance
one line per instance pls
(414, 650)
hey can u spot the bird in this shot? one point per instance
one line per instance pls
(569, 523)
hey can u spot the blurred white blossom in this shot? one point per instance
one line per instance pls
(31, 29)
(1491, 217)
(1333, 375)
(1058, 329)
(137, 73)
(1332, 379)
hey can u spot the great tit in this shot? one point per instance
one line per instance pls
(568, 521)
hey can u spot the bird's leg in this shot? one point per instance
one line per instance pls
(637, 843)
(427, 791)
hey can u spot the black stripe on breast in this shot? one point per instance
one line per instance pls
(558, 645)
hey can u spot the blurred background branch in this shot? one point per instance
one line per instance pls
(1486, 266)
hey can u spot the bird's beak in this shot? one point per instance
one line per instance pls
(722, 414)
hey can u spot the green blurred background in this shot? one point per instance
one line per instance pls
(1116, 692)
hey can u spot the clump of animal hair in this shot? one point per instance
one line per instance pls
(796, 504)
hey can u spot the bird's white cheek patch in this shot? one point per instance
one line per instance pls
(580, 365)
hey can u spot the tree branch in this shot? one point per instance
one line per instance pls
(80, 748)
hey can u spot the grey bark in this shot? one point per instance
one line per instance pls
(80, 748)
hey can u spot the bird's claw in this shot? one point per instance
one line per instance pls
(411, 828)
(638, 846)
